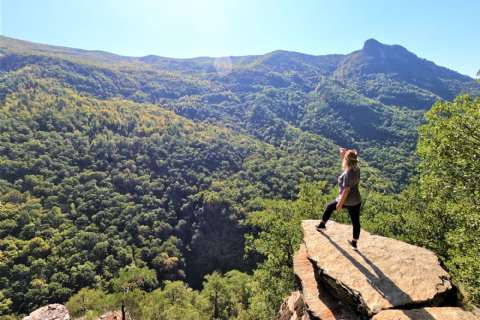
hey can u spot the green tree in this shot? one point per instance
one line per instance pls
(5, 304)
(216, 294)
(93, 302)
(129, 286)
(228, 295)
(449, 188)
(175, 301)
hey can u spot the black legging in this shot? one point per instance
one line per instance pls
(353, 211)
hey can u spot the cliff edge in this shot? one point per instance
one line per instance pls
(384, 279)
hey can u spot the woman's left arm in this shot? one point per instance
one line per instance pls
(343, 197)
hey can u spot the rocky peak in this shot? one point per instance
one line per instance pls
(383, 279)
(372, 44)
(375, 48)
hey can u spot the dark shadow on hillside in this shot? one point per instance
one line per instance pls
(380, 282)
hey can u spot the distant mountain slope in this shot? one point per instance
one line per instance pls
(11, 45)
(372, 99)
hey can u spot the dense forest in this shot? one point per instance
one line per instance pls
(130, 180)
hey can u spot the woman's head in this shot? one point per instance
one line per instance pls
(350, 160)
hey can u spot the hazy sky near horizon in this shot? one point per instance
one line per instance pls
(444, 31)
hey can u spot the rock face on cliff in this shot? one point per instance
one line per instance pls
(50, 312)
(319, 303)
(383, 279)
(293, 308)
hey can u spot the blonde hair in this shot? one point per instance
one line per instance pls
(350, 160)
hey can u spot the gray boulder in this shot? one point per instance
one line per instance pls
(54, 311)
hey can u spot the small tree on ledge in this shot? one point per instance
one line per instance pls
(128, 284)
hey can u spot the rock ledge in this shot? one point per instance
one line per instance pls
(383, 279)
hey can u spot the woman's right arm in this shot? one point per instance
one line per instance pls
(343, 198)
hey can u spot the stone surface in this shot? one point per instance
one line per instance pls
(434, 313)
(293, 308)
(50, 312)
(319, 303)
(383, 274)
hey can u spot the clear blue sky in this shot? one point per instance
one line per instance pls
(445, 31)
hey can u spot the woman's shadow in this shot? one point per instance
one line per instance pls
(382, 284)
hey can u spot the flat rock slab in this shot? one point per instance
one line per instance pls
(435, 313)
(383, 274)
(318, 302)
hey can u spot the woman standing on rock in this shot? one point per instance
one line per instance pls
(349, 196)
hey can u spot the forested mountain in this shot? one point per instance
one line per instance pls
(371, 99)
(108, 160)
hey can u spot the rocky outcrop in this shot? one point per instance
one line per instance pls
(59, 312)
(50, 312)
(384, 274)
(383, 279)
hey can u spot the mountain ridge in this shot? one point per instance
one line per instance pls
(368, 46)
